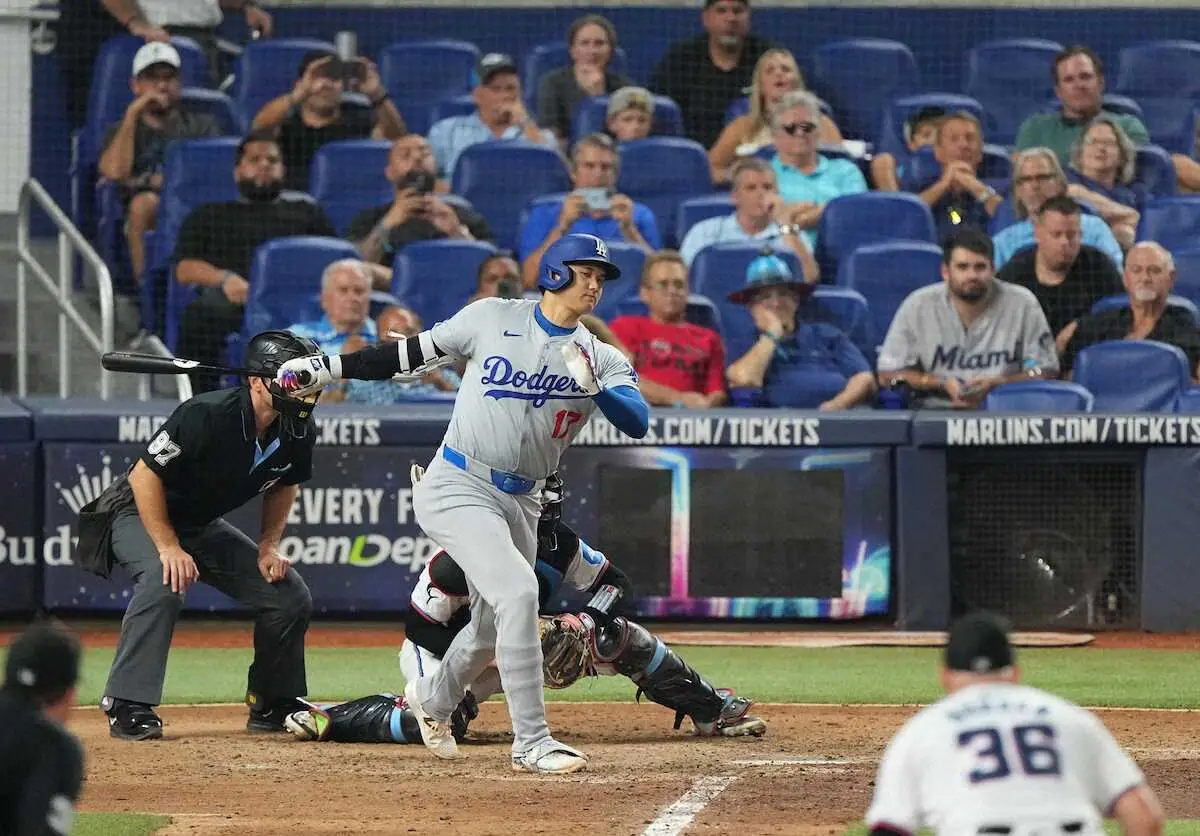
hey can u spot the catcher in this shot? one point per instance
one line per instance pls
(598, 640)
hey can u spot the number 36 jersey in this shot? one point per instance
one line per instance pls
(999, 755)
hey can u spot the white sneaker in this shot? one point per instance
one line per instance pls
(438, 737)
(550, 758)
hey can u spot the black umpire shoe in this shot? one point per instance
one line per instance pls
(131, 720)
(269, 716)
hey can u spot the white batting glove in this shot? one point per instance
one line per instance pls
(304, 375)
(415, 473)
(579, 363)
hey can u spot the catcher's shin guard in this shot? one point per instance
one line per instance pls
(379, 718)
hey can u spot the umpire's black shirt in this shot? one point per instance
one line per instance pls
(41, 770)
(211, 461)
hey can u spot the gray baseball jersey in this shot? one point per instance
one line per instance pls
(518, 407)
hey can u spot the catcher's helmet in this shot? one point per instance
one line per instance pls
(268, 351)
(554, 273)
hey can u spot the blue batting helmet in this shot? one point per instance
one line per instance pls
(554, 273)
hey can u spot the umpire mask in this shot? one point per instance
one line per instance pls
(266, 353)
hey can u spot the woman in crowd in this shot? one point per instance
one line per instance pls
(1101, 175)
(592, 42)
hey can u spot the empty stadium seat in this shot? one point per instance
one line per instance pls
(501, 178)
(661, 172)
(886, 273)
(1171, 123)
(1121, 300)
(1133, 375)
(1159, 69)
(267, 69)
(858, 77)
(720, 269)
(853, 221)
(1187, 273)
(1155, 171)
(422, 73)
(285, 281)
(436, 278)
(700, 310)
(1171, 221)
(1045, 396)
(630, 259)
(1117, 103)
(1010, 78)
(347, 177)
(696, 209)
(1189, 401)
(890, 138)
(592, 117)
(550, 56)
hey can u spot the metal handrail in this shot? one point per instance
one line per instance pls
(151, 344)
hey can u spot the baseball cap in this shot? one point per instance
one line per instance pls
(630, 97)
(708, 3)
(43, 661)
(767, 270)
(979, 644)
(155, 53)
(491, 64)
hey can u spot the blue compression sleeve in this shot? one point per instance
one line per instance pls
(625, 407)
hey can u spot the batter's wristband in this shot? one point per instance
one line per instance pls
(334, 364)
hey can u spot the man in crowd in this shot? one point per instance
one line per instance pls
(594, 208)
(135, 147)
(312, 113)
(417, 213)
(346, 308)
(678, 363)
(630, 114)
(499, 276)
(950, 344)
(705, 74)
(759, 214)
(396, 322)
(217, 243)
(1149, 277)
(956, 196)
(1065, 275)
(500, 114)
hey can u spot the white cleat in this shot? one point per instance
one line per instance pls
(550, 758)
(438, 737)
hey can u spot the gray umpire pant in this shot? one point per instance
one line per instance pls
(228, 560)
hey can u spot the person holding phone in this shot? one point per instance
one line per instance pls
(593, 208)
(313, 113)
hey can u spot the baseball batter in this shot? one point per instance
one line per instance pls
(534, 376)
(997, 757)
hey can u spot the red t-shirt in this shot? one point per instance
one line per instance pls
(683, 356)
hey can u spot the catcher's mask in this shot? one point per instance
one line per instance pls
(266, 353)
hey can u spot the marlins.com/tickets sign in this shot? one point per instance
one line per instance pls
(1000, 431)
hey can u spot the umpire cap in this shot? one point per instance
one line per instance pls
(979, 644)
(43, 662)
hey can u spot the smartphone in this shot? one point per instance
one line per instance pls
(597, 199)
(420, 181)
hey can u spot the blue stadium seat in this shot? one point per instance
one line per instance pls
(890, 138)
(436, 278)
(421, 73)
(1045, 396)
(661, 172)
(720, 269)
(849, 310)
(267, 69)
(217, 105)
(853, 221)
(501, 178)
(550, 56)
(1187, 273)
(347, 177)
(1010, 78)
(456, 106)
(886, 273)
(285, 281)
(1189, 401)
(1121, 300)
(1117, 103)
(700, 310)
(630, 259)
(1133, 375)
(1160, 68)
(1155, 171)
(592, 117)
(696, 209)
(1171, 123)
(858, 77)
(1171, 221)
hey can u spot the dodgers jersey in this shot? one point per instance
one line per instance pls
(999, 754)
(518, 407)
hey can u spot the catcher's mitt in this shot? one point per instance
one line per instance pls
(566, 650)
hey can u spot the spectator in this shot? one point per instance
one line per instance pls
(499, 276)
(759, 214)
(957, 197)
(593, 208)
(705, 74)
(135, 147)
(1065, 276)
(775, 73)
(630, 114)
(951, 344)
(592, 42)
(393, 324)
(920, 131)
(346, 303)
(416, 213)
(1149, 277)
(217, 243)
(500, 115)
(796, 364)
(678, 363)
(1100, 174)
(806, 178)
(1037, 177)
(1078, 77)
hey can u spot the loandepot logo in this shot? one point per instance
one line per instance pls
(363, 552)
(89, 487)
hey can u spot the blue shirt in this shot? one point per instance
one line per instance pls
(328, 338)
(833, 177)
(1133, 195)
(1095, 234)
(724, 230)
(811, 366)
(384, 392)
(450, 136)
(544, 216)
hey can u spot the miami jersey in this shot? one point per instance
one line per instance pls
(999, 755)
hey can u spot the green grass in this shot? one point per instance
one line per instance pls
(1178, 827)
(118, 824)
(1135, 678)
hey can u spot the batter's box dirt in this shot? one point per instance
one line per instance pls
(810, 774)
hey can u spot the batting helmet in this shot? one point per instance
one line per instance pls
(268, 351)
(554, 273)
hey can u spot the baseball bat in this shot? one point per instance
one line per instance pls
(128, 361)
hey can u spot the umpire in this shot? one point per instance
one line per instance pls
(162, 524)
(41, 764)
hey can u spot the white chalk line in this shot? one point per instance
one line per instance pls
(673, 819)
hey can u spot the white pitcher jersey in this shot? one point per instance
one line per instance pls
(999, 755)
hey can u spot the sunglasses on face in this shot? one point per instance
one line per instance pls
(804, 128)
(1037, 178)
